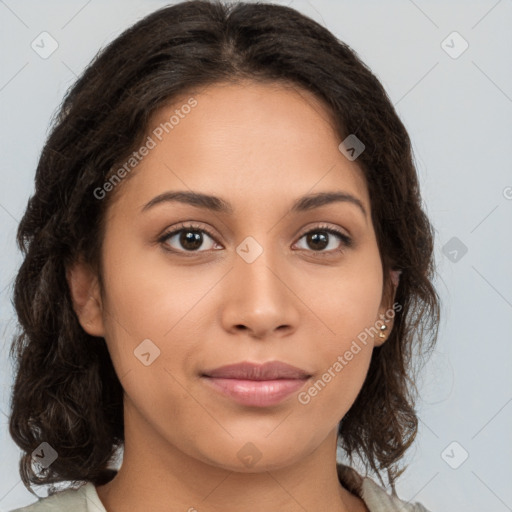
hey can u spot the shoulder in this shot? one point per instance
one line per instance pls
(62, 501)
(374, 497)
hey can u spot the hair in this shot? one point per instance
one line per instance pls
(66, 391)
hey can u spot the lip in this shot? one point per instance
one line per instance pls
(257, 385)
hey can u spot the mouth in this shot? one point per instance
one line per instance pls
(256, 385)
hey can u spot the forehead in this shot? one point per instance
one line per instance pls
(231, 113)
(248, 140)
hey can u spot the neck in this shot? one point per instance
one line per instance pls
(173, 480)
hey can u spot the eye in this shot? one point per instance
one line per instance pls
(189, 237)
(321, 238)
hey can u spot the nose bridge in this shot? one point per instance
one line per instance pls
(255, 269)
(261, 302)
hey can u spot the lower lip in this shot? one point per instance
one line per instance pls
(257, 393)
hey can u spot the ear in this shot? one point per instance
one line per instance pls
(85, 294)
(386, 310)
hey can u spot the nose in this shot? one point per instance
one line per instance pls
(259, 299)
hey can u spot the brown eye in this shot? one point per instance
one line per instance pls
(188, 239)
(191, 240)
(318, 240)
(321, 238)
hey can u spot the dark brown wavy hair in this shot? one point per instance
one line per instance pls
(66, 392)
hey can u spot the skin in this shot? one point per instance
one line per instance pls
(259, 147)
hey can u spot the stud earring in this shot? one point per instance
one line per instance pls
(382, 334)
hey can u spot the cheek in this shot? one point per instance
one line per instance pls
(334, 388)
(149, 321)
(148, 294)
(348, 307)
(345, 300)
(343, 353)
(342, 360)
(146, 304)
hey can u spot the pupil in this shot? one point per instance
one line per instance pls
(191, 239)
(319, 240)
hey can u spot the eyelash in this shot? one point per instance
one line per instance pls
(347, 242)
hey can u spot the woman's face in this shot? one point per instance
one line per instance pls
(258, 280)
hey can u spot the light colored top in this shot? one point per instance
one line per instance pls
(86, 499)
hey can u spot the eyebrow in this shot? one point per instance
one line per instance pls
(219, 205)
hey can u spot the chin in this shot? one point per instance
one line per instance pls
(256, 456)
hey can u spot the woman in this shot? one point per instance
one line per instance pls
(227, 268)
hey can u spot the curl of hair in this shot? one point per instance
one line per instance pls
(66, 391)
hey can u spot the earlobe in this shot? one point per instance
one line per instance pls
(85, 294)
(387, 311)
(384, 327)
(395, 277)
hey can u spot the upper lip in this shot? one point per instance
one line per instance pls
(271, 370)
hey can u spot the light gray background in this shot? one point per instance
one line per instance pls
(459, 114)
